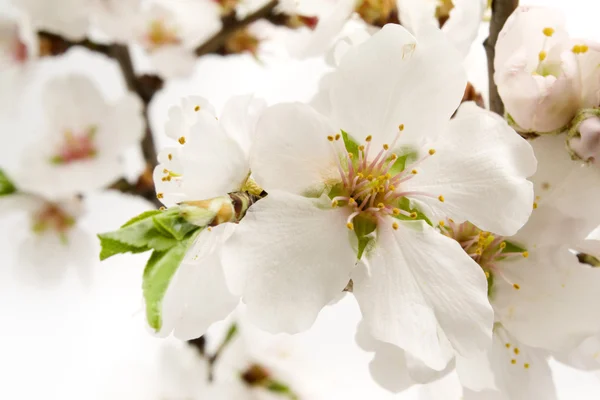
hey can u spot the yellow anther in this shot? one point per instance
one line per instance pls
(380, 205)
(351, 201)
(360, 175)
(576, 49)
(386, 146)
(181, 140)
(413, 215)
(387, 176)
(330, 138)
(441, 198)
(334, 203)
(479, 251)
(535, 205)
(350, 156)
(395, 226)
(431, 152)
(401, 127)
(164, 179)
(513, 361)
(584, 48)
(526, 366)
(414, 172)
(516, 286)
(548, 31)
(503, 245)
(350, 226)
(487, 274)
(197, 108)
(209, 229)
(165, 171)
(168, 178)
(392, 187)
(162, 208)
(516, 350)
(338, 136)
(396, 211)
(159, 195)
(370, 177)
(361, 147)
(394, 157)
(525, 254)
(170, 156)
(368, 138)
(451, 220)
(442, 223)
(542, 55)
(507, 345)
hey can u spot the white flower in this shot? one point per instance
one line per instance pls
(69, 18)
(84, 139)
(115, 18)
(210, 161)
(170, 32)
(544, 77)
(463, 18)
(294, 246)
(53, 241)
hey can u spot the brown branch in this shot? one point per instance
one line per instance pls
(53, 45)
(231, 25)
(501, 10)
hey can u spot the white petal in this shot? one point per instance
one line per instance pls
(394, 79)
(183, 117)
(480, 168)
(122, 127)
(586, 356)
(292, 256)
(424, 294)
(173, 61)
(197, 295)
(213, 163)
(239, 118)
(463, 24)
(551, 278)
(476, 372)
(291, 151)
(563, 182)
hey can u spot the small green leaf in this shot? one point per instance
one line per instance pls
(144, 215)
(158, 273)
(174, 225)
(362, 228)
(6, 185)
(111, 247)
(280, 388)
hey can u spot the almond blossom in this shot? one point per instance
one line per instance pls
(208, 165)
(170, 31)
(85, 137)
(544, 76)
(333, 200)
(69, 18)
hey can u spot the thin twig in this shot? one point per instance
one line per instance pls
(53, 44)
(232, 25)
(501, 10)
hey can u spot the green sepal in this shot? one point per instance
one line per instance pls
(363, 227)
(158, 273)
(490, 282)
(404, 204)
(6, 185)
(280, 388)
(512, 248)
(350, 144)
(400, 163)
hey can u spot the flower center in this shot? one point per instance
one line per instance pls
(51, 217)
(76, 147)
(485, 248)
(371, 187)
(159, 34)
(376, 12)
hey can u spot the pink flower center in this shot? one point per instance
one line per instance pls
(52, 217)
(372, 186)
(76, 147)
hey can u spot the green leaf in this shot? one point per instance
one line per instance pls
(362, 228)
(174, 225)
(6, 185)
(111, 247)
(280, 388)
(144, 215)
(158, 273)
(351, 145)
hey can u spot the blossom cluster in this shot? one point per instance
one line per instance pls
(465, 237)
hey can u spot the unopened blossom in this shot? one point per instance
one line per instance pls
(545, 77)
(84, 139)
(171, 31)
(202, 172)
(297, 249)
(458, 19)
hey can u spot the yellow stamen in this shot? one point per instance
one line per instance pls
(170, 156)
(162, 208)
(368, 138)
(181, 140)
(350, 156)
(361, 148)
(159, 195)
(525, 254)
(535, 205)
(431, 152)
(386, 147)
(330, 138)
(395, 226)
(197, 108)
(513, 361)
(350, 226)
(401, 127)
(526, 365)
(337, 137)
(414, 172)
(507, 345)
(516, 286)
(503, 245)
(548, 31)
(442, 223)
(542, 55)
(516, 350)
(413, 215)
(396, 211)
(334, 203)
(441, 198)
